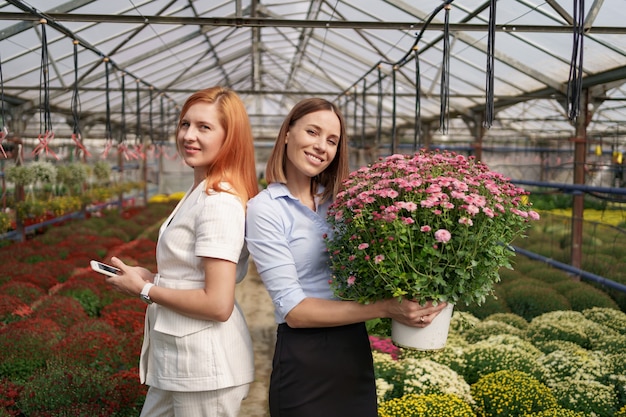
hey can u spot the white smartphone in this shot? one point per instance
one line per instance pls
(104, 268)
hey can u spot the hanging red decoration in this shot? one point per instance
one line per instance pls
(44, 142)
(46, 122)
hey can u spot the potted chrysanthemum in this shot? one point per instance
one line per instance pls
(432, 226)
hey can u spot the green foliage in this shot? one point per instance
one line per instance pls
(492, 305)
(93, 350)
(550, 249)
(621, 412)
(64, 310)
(619, 296)
(549, 275)
(559, 325)
(44, 172)
(5, 222)
(585, 396)
(68, 391)
(575, 365)
(599, 264)
(509, 318)
(492, 355)
(609, 317)
(24, 291)
(94, 325)
(118, 232)
(30, 209)
(549, 346)
(388, 380)
(608, 342)
(85, 293)
(73, 176)
(526, 281)
(25, 347)
(529, 301)
(379, 327)
(20, 175)
(526, 265)
(616, 248)
(488, 328)
(425, 376)
(557, 412)
(59, 206)
(551, 201)
(585, 296)
(433, 405)
(603, 249)
(618, 377)
(570, 284)
(508, 275)
(102, 172)
(11, 309)
(510, 394)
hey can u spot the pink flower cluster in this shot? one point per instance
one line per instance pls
(460, 185)
(424, 225)
(384, 345)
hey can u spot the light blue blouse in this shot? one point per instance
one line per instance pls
(286, 242)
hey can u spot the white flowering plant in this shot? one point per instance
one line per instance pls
(431, 226)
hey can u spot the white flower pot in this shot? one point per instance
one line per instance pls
(431, 337)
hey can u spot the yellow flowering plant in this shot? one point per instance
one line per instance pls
(434, 225)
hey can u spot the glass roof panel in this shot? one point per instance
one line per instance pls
(275, 65)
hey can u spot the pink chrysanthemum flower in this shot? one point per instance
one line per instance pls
(442, 235)
(427, 226)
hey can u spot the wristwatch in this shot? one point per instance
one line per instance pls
(145, 291)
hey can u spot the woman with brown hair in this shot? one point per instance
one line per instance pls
(322, 363)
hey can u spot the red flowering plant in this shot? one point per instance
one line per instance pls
(434, 225)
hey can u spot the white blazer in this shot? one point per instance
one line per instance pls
(180, 353)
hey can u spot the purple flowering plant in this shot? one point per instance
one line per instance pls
(434, 225)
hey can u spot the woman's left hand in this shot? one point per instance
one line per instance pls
(412, 313)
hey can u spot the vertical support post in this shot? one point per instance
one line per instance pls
(480, 131)
(394, 125)
(120, 166)
(578, 199)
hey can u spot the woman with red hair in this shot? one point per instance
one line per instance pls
(197, 353)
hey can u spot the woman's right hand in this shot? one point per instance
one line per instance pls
(410, 312)
(132, 279)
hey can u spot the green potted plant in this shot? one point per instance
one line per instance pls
(432, 226)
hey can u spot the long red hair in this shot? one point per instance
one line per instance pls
(235, 162)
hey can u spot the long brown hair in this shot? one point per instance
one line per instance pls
(332, 177)
(234, 163)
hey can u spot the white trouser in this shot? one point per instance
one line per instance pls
(224, 402)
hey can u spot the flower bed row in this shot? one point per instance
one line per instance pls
(70, 344)
(563, 363)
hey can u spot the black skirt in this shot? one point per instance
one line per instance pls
(325, 372)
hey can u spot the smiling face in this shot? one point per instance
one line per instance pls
(200, 137)
(312, 143)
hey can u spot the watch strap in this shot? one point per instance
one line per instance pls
(145, 293)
